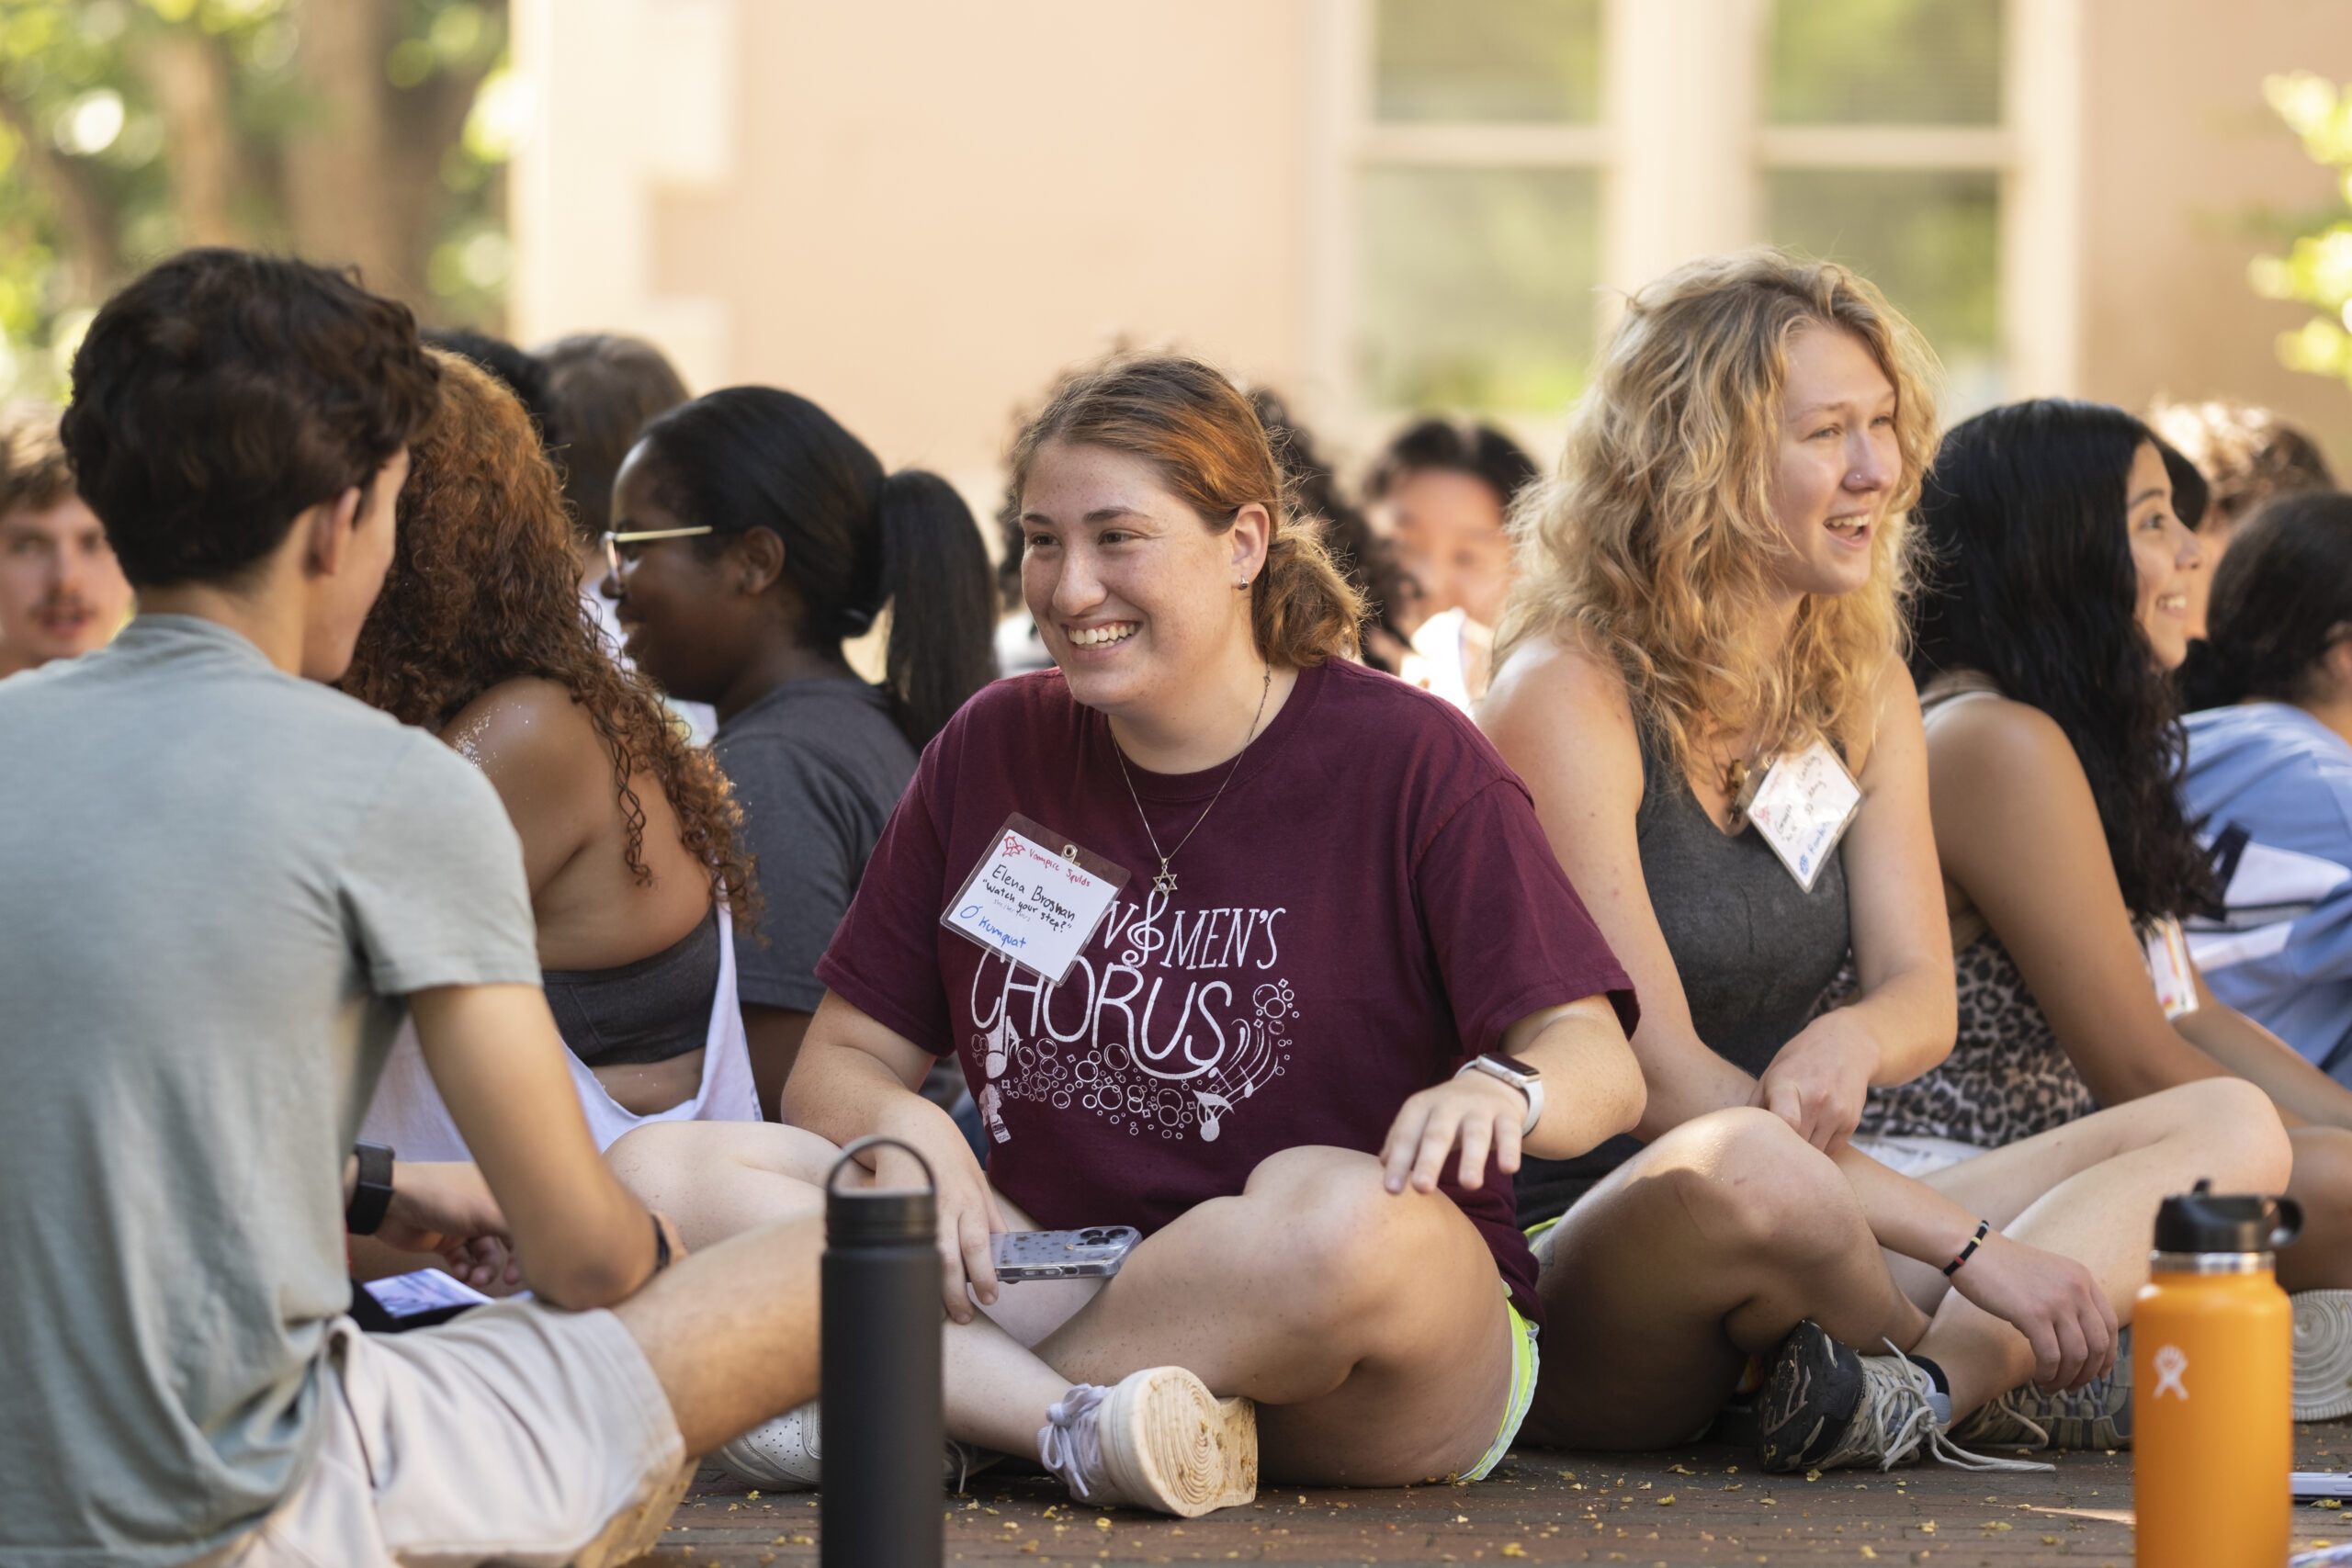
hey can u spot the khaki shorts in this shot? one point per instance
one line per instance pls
(516, 1433)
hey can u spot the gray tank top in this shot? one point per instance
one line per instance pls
(653, 1010)
(1754, 952)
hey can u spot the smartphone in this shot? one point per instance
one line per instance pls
(1094, 1253)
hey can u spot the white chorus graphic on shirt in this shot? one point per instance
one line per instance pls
(1115, 1038)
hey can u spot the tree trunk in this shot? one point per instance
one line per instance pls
(339, 185)
(189, 76)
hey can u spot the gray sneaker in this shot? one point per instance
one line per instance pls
(1889, 1420)
(2095, 1416)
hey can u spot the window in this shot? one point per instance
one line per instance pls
(1884, 151)
(1511, 165)
(1479, 203)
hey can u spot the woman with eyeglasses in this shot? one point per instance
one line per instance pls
(627, 834)
(751, 537)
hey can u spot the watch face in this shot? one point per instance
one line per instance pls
(1503, 1066)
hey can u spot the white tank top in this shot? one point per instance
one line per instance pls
(408, 1115)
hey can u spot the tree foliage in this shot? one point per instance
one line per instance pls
(367, 132)
(2317, 268)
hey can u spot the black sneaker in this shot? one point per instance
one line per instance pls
(1807, 1401)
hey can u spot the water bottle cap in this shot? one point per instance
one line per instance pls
(2203, 1220)
(864, 1215)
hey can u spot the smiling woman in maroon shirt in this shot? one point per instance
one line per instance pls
(1340, 897)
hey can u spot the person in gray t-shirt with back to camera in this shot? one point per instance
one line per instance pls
(227, 885)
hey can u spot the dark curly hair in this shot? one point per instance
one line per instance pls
(222, 394)
(483, 589)
(2030, 582)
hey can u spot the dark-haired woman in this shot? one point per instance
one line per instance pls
(753, 537)
(1442, 492)
(627, 833)
(2269, 775)
(2059, 603)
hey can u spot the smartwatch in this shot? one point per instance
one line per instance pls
(1524, 1078)
(373, 1192)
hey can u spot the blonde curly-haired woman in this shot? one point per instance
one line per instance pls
(1699, 679)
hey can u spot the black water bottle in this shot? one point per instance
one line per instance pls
(882, 1428)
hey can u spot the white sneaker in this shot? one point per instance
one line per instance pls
(2322, 1355)
(782, 1455)
(787, 1455)
(1157, 1439)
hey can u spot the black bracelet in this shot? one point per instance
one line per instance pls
(1984, 1227)
(661, 1247)
(372, 1194)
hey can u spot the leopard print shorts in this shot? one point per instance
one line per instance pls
(2007, 1079)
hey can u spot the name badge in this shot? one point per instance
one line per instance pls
(2169, 968)
(1035, 899)
(1803, 805)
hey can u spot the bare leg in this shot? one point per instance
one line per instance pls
(1707, 1247)
(2323, 1185)
(1369, 1327)
(732, 1332)
(719, 1178)
(2088, 1191)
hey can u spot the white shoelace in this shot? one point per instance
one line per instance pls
(1919, 1425)
(1069, 1444)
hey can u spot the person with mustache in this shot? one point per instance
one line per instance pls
(60, 592)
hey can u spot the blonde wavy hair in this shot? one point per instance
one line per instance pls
(1655, 544)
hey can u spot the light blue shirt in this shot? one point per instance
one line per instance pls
(2283, 956)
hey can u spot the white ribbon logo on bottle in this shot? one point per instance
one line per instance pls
(2171, 1363)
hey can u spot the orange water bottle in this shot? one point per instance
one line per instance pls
(2212, 1381)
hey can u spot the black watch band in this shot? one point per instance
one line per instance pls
(373, 1193)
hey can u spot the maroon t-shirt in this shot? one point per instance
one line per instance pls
(1370, 903)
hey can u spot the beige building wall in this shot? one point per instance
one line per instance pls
(917, 211)
(2182, 159)
(928, 209)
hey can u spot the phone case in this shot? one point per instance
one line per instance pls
(1094, 1253)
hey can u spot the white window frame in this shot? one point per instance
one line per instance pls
(1682, 151)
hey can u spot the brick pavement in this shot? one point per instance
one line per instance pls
(1698, 1506)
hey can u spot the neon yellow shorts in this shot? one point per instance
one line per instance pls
(1526, 1362)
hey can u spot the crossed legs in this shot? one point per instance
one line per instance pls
(1720, 1237)
(1369, 1326)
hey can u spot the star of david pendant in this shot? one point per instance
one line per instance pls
(1166, 881)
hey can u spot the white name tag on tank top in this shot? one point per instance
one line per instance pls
(1036, 898)
(2169, 968)
(1803, 805)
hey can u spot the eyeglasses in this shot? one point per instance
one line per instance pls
(613, 542)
